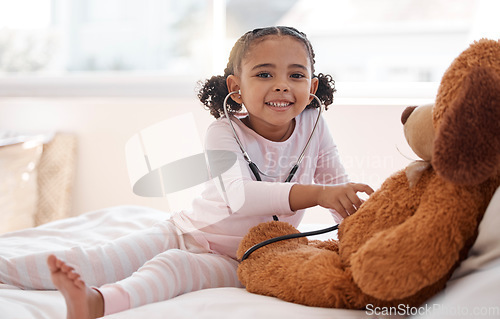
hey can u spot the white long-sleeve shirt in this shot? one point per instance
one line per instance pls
(235, 201)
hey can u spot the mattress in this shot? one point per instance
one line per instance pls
(100, 226)
(472, 292)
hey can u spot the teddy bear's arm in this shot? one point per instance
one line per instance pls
(400, 261)
(390, 205)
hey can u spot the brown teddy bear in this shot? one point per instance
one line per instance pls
(405, 241)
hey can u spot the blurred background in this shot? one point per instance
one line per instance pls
(103, 70)
(355, 40)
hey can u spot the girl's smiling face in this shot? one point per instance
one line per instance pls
(275, 81)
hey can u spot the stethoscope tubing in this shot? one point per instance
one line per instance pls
(247, 158)
(285, 237)
(226, 113)
(255, 170)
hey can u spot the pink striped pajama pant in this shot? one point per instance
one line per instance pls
(147, 266)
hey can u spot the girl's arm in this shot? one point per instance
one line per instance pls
(333, 189)
(341, 198)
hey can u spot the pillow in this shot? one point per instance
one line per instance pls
(18, 186)
(486, 247)
(56, 174)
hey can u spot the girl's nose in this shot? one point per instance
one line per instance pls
(281, 83)
(279, 89)
(281, 86)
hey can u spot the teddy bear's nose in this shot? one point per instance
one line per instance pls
(406, 114)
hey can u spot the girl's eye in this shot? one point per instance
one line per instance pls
(297, 75)
(264, 75)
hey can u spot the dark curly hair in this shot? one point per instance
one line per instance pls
(213, 91)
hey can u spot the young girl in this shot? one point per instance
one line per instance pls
(272, 71)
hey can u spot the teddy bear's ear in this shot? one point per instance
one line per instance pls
(467, 145)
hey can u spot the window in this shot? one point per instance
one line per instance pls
(143, 42)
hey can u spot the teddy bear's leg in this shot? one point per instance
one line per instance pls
(421, 251)
(265, 231)
(326, 244)
(305, 275)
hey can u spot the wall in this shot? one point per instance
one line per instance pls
(367, 137)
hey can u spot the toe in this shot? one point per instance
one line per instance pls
(59, 262)
(80, 283)
(73, 275)
(66, 268)
(52, 263)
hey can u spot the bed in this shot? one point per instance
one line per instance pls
(99, 226)
(472, 290)
(44, 197)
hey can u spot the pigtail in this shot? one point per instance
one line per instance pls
(214, 90)
(212, 93)
(326, 89)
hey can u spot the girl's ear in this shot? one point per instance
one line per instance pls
(233, 84)
(314, 87)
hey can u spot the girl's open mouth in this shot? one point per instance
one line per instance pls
(279, 105)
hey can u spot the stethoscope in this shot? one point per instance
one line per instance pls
(256, 172)
(253, 167)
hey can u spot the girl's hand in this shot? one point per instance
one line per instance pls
(343, 198)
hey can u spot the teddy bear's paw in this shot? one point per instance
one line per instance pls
(304, 275)
(265, 231)
(384, 278)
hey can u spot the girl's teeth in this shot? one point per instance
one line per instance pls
(278, 104)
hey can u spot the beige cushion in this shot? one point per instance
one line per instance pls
(56, 175)
(18, 186)
(36, 178)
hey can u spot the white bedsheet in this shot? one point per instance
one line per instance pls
(474, 285)
(96, 227)
(210, 303)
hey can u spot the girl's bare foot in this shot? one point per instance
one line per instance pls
(82, 302)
